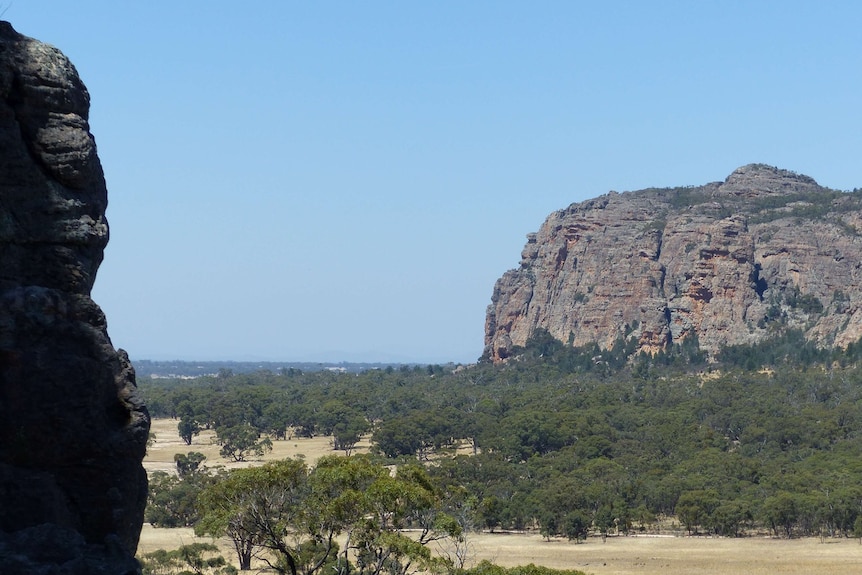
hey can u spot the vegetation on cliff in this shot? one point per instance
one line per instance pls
(728, 263)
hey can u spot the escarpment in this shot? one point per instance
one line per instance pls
(73, 431)
(729, 263)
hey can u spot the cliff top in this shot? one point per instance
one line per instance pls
(727, 263)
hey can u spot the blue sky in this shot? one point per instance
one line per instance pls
(337, 181)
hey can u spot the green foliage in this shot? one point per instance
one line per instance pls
(545, 349)
(254, 507)
(561, 437)
(418, 433)
(197, 559)
(171, 500)
(683, 197)
(295, 515)
(807, 303)
(781, 512)
(788, 348)
(695, 508)
(344, 423)
(188, 428)
(576, 525)
(819, 205)
(728, 518)
(656, 225)
(857, 528)
(240, 441)
(189, 464)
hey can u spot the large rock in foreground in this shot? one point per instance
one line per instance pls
(73, 432)
(730, 263)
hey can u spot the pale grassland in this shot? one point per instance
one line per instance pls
(616, 556)
(630, 555)
(677, 555)
(160, 455)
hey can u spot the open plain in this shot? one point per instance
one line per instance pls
(676, 555)
(633, 555)
(167, 443)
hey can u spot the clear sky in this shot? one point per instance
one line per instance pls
(345, 181)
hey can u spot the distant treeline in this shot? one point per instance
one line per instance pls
(149, 369)
(767, 439)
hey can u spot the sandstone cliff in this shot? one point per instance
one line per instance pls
(72, 430)
(729, 262)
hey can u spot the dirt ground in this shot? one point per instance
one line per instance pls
(637, 555)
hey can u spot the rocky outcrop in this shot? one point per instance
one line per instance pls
(730, 263)
(73, 431)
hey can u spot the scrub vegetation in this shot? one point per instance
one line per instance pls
(559, 442)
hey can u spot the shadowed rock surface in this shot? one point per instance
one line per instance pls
(73, 431)
(730, 263)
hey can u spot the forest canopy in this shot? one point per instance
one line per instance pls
(577, 441)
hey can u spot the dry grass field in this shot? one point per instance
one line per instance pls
(630, 555)
(160, 455)
(617, 556)
(676, 555)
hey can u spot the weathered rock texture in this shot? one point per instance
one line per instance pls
(72, 430)
(730, 262)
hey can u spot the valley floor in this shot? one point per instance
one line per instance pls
(633, 555)
(677, 555)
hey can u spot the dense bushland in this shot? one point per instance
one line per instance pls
(570, 441)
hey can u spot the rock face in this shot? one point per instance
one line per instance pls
(729, 262)
(73, 432)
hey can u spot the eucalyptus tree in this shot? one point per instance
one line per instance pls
(289, 516)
